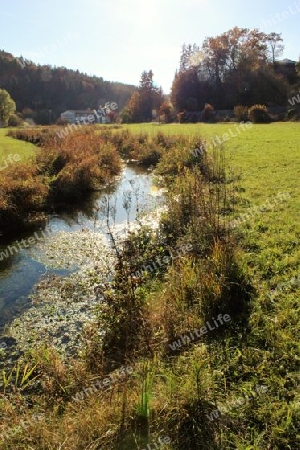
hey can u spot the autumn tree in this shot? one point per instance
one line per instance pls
(215, 52)
(190, 93)
(143, 101)
(131, 112)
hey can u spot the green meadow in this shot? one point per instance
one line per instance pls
(8, 145)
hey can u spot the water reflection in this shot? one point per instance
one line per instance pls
(19, 272)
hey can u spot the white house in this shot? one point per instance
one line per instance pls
(77, 115)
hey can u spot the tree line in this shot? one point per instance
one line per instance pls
(44, 92)
(237, 67)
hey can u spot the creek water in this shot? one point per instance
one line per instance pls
(20, 270)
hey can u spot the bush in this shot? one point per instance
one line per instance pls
(259, 114)
(126, 116)
(15, 121)
(166, 110)
(181, 117)
(208, 113)
(80, 163)
(241, 113)
(176, 160)
(62, 122)
(293, 114)
(23, 190)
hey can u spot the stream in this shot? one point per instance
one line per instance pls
(26, 264)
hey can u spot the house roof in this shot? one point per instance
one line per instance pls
(286, 61)
(79, 111)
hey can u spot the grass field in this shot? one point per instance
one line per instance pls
(267, 159)
(12, 146)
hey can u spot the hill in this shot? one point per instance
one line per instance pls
(43, 92)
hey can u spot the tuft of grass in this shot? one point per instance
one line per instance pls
(20, 377)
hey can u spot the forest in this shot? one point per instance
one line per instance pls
(42, 93)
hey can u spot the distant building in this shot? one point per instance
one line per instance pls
(286, 68)
(87, 116)
(77, 115)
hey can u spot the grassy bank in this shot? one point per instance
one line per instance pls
(8, 146)
(67, 168)
(62, 170)
(201, 319)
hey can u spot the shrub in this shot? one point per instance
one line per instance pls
(62, 122)
(147, 154)
(80, 163)
(165, 141)
(126, 116)
(208, 112)
(37, 136)
(241, 113)
(181, 117)
(166, 111)
(22, 191)
(15, 121)
(176, 160)
(259, 114)
(293, 114)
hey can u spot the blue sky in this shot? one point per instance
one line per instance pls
(118, 39)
